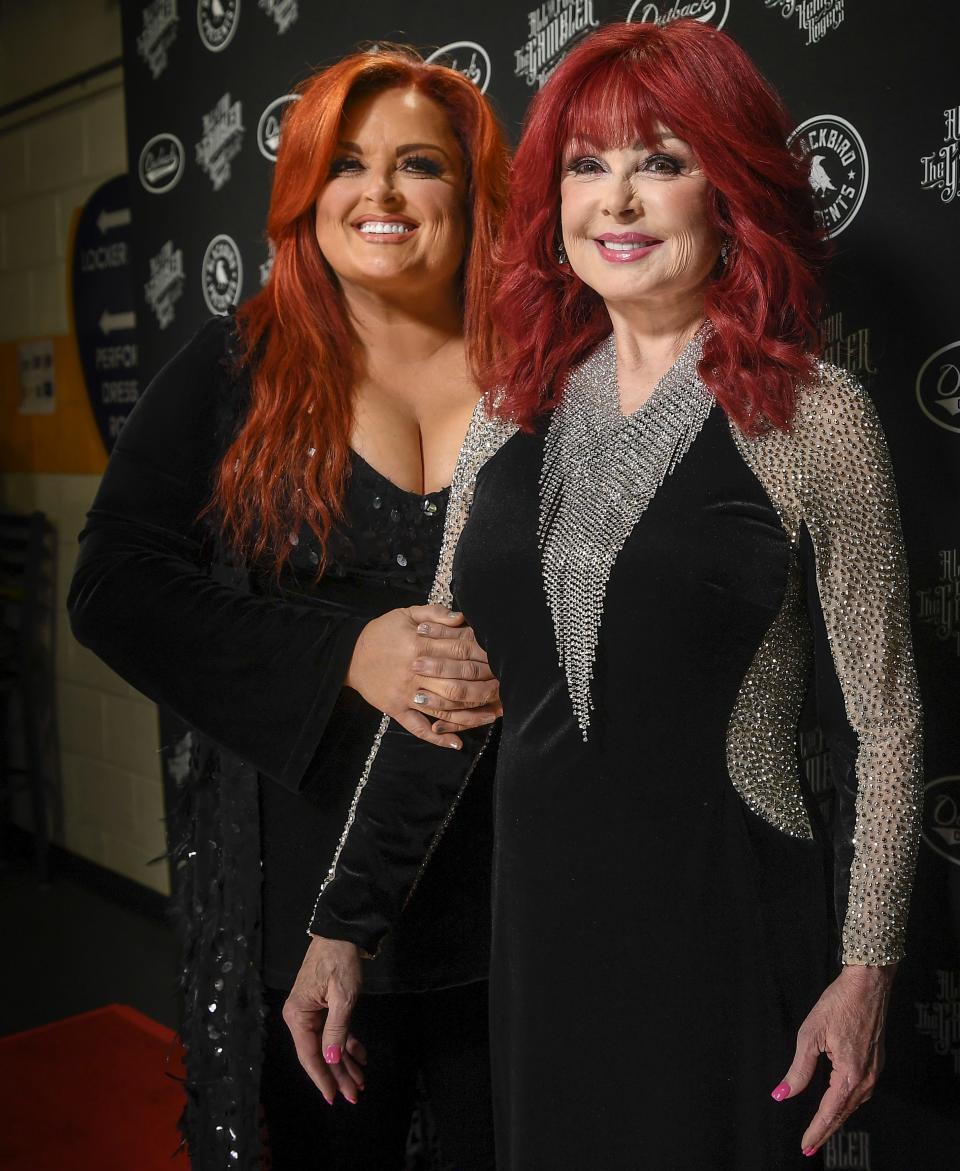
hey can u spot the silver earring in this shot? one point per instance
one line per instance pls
(562, 254)
(724, 250)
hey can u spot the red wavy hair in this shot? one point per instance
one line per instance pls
(764, 304)
(289, 461)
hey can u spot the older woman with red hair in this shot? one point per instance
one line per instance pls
(692, 523)
(257, 559)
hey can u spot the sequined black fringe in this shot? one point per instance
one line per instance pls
(216, 870)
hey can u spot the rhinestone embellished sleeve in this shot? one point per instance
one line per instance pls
(832, 473)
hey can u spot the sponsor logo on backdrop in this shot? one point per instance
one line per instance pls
(160, 22)
(939, 605)
(268, 128)
(847, 348)
(222, 274)
(161, 163)
(839, 168)
(940, 169)
(284, 12)
(848, 1150)
(221, 141)
(939, 1019)
(554, 28)
(217, 22)
(941, 818)
(938, 387)
(165, 286)
(468, 58)
(267, 267)
(815, 18)
(713, 12)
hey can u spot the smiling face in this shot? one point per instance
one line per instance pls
(393, 212)
(636, 220)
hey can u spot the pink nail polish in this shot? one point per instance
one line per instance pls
(329, 1101)
(808, 1151)
(782, 1091)
(332, 1055)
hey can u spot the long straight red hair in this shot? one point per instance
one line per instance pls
(764, 303)
(289, 461)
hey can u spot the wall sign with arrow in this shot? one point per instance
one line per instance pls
(104, 318)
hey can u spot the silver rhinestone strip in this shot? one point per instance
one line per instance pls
(762, 734)
(485, 436)
(600, 471)
(832, 472)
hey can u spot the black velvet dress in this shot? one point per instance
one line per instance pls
(661, 915)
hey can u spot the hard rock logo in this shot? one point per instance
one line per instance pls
(839, 168)
(284, 12)
(161, 164)
(268, 128)
(468, 58)
(217, 22)
(713, 12)
(221, 141)
(222, 274)
(160, 22)
(941, 170)
(941, 818)
(938, 387)
(938, 605)
(554, 28)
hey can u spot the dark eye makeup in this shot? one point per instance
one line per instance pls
(660, 163)
(415, 163)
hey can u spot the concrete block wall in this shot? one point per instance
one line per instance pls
(111, 804)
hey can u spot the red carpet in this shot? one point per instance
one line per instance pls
(91, 1093)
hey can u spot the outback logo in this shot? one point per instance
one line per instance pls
(221, 141)
(941, 818)
(468, 58)
(161, 163)
(816, 18)
(554, 27)
(938, 387)
(165, 286)
(941, 170)
(221, 274)
(268, 128)
(217, 22)
(713, 12)
(839, 168)
(159, 32)
(284, 12)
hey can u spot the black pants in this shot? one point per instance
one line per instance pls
(439, 1036)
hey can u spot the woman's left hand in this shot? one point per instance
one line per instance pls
(847, 1025)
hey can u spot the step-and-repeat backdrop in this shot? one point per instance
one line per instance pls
(875, 92)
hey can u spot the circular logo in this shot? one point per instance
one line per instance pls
(941, 818)
(161, 163)
(222, 274)
(217, 22)
(468, 58)
(268, 128)
(713, 12)
(938, 387)
(839, 168)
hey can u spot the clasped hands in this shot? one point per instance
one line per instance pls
(422, 666)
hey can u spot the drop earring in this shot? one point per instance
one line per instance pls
(724, 251)
(562, 254)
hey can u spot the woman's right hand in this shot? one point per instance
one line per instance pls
(382, 670)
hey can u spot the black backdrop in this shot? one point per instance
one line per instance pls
(875, 93)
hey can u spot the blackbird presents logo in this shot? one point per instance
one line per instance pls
(222, 274)
(839, 168)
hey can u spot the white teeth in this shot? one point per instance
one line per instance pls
(626, 247)
(379, 228)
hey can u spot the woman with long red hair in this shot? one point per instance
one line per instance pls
(693, 524)
(258, 558)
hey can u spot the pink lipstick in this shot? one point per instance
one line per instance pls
(624, 247)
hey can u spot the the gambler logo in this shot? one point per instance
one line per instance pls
(158, 34)
(161, 164)
(217, 22)
(553, 28)
(468, 58)
(222, 275)
(283, 12)
(839, 168)
(713, 12)
(221, 141)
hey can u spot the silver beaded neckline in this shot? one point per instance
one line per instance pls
(600, 471)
